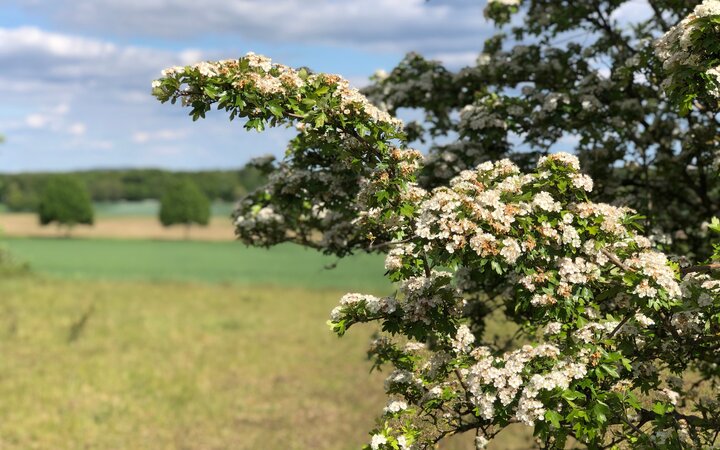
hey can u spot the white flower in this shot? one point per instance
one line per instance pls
(462, 343)
(582, 181)
(511, 250)
(377, 440)
(644, 320)
(553, 328)
(481, 442)
(395, 407)
(671, 396)
(544, 201)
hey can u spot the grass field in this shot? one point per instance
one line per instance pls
(150, 208)
(225, 262)
(113, 365)
(118, 365)
(155, 344)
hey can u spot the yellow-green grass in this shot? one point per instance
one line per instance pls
(143, 365)
(112, 365)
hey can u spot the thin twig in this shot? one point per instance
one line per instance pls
(612, 257)
(622, 322)
(389, 243)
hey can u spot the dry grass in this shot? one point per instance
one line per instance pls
(153, 366)
(26, 225)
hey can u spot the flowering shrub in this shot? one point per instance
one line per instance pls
(691, 54)
(617, 345)
(582, 77)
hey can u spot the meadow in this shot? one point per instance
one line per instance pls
(127, 343)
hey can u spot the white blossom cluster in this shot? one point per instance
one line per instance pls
(479, 215)
(654, 265)
(421, 296)
(368, 304)
(499, 382)
(269, 78)
(676, 48)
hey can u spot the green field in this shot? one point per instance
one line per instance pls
(226, 262)
(151, 208)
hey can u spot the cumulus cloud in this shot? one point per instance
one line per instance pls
(142, 137)
(390, 25)
(29, 53)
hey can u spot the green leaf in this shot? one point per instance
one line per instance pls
(553, 417)
(659, 408)
(407, 210)
(569, 394)
(276, 110)
(610, 370)
(600, 412)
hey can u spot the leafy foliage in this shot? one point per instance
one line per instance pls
(584, 79)
(65, 201)
(185, 204)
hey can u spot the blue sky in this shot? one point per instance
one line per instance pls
(75, 74)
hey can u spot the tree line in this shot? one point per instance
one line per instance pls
(22, 192)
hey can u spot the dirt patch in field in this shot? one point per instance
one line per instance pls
(26, 225)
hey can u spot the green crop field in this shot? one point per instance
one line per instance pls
(148, 208)
(229, 262)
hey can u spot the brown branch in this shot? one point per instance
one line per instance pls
(703, 268)
(622, 322)
(612, 257)
(389, 243)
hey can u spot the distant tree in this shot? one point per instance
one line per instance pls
(65, 201)
(16, 199)
(184, 204)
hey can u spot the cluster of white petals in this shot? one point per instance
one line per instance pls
(676, 48)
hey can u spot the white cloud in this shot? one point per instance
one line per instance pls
(29, 53)
(77, 129)
(37, 120)
(142, 137)
(392, 25)
(52, 119)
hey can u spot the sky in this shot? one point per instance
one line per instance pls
(75, 75)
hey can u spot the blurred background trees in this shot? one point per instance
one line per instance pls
(184, 204)
(65, 201)
(20, 192)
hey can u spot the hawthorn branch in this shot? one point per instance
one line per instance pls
(390, 243)
(703, 268)
(622, 322)
(612, 257)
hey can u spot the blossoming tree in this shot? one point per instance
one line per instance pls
(617, 345)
